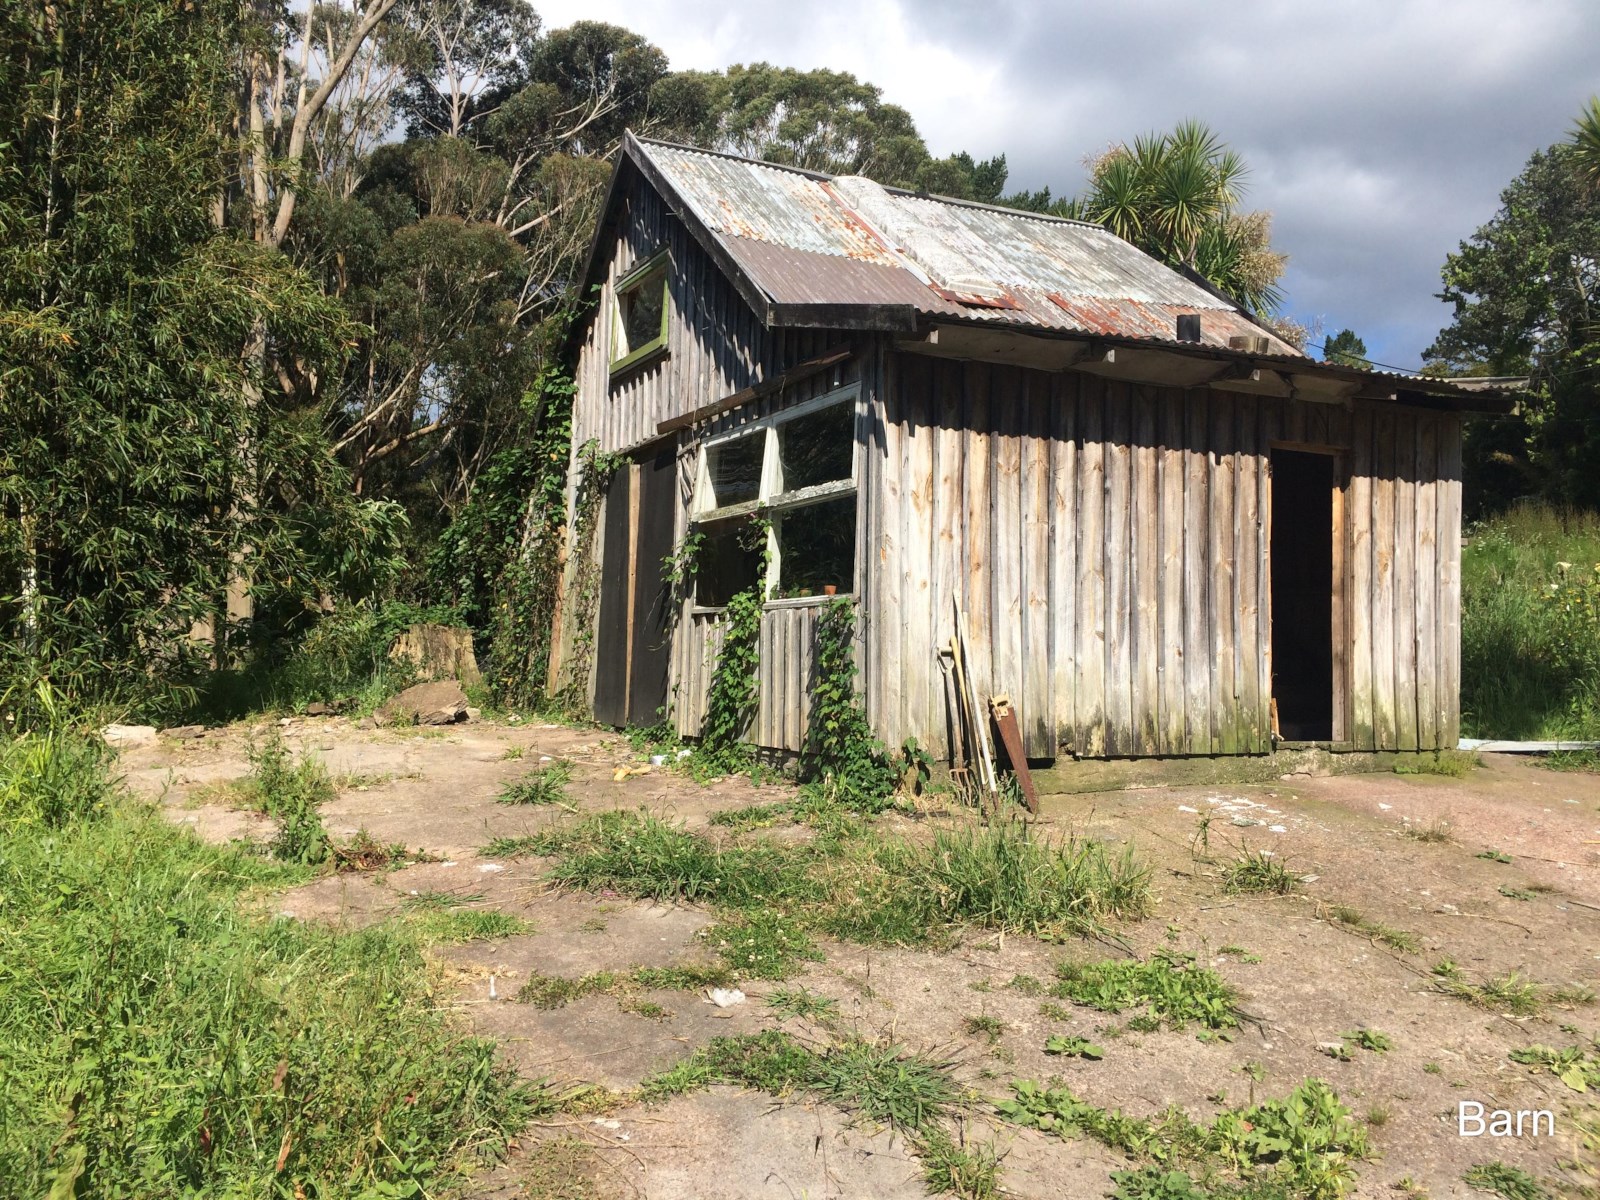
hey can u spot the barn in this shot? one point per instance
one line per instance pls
(1167, 531)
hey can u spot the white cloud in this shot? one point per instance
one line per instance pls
(1380, 132)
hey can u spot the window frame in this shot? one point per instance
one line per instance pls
(641, 276)
(771, 502)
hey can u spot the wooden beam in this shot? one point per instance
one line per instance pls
(755, 391)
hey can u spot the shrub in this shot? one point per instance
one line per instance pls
(291, 792)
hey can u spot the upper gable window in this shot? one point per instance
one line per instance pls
(639, 316)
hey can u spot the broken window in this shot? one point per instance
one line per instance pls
(798, 469)
(639, 329)
(733, 469)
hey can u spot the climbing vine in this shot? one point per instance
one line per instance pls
(595, 469)
(842, 758)
(731, 698)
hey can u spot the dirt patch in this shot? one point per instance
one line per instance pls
(1372, 909)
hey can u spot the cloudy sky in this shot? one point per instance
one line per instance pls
(1378, 133)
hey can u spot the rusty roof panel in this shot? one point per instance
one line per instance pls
(805, 239)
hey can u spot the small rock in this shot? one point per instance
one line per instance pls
(473, 713)
(129, 735)
(442, 703)
(184, 733)
(366, 723)
(1450, 910)
(318, 709)
(285, 720)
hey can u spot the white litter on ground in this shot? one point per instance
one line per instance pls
(725, 997)
(491, 867)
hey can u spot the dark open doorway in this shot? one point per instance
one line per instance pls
(1303, 594)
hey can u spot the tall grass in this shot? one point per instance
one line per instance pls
(1530, 626)
(160, 1038)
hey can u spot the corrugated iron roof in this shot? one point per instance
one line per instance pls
(804, 238)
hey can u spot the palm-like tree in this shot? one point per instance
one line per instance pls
(1175, 196)
(1586, 142)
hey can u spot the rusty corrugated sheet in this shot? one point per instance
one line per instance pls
(801, 243)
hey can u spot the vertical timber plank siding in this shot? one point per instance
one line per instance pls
(915, 610)
(1037, 714)
(1246, 598)
(1089, 650)
(947, 518)
(1196, 568)
(979, 498)
(1383, 585)
(1429, 713)
(1145, 523)
(1062, 558)
(1117, 556)
(1006, 536)
(1405, 581)
(1170, 476)
(1221, 549)
(1360, 589)
(1448, 489)
(886, 597)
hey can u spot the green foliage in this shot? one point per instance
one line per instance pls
(845, 886)
(1530, 626)
(822, 120)
(1453, 764)
(1175, 195)
(1257, 872)
(969, 1171)
(799, 1002)
(1073, 1047)
(1156, 1183)
(145, 453)
(1511, 1183)
(753, 816)
(543, 785)
(555, 991)
(1169, 986)
(499, 558)
(1358, 922)
(842, 757)
(1522, 290)
(734, 689)
(594, 471)
(1586, 143)
(1513, 992)
(50, 775)
(1576, 1067)
(1369, 1039)
(291, 792)
(760, 944)
(1304, 1142)
(157, 1038)
(1345, 349)
(1005, 876)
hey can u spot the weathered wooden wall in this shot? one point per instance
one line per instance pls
(715, 343)
(1109, 544)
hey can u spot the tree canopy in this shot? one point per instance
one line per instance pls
(1346, 349)
(1523, 289)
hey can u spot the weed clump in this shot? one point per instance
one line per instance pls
(291, 791)
(1510, 1183)
(1169, 986)
(543, 785)
(1358, 922)
(1258, 872)
(1304, 1142)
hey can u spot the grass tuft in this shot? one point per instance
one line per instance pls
(1357, 922)
(1257, 872)
(543, 785)
(1510, 1183)
(291, 791)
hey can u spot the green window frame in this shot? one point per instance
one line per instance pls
(631, 289)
